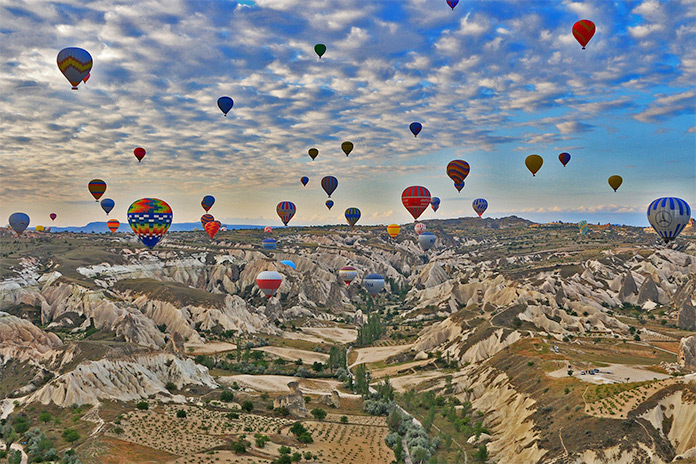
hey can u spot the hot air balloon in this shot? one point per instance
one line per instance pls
(304, 180)
(313, 153)
(583, 31)
(373, 283)
(329, 184)
(452, 3)
(564, 158)
(39, 228)
(75, 64)
(268, 244)
(534, 163)
(286, 210)
(352, 216)
(426, 240)
(480, 205)
(435, 203)
(107, 205)
(289, 263)
(268, 229)
(347, 274)
(584, 228)
(329, 204)
(457, 170)
(615, 182)
(212, 228)
(206, 218)
(139, 153)
(87, 77)
(416, 199)
(419, 227)
(347, 147)
(225, 104)
(669, 216)
(393, 230)
(113, 225)
(269, 282)
(53, 216)
(320, 49)
(150, 219)
(97, 187)
(415, 127)
(207, 202)
(19, 222)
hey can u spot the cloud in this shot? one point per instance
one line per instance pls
(667, 106)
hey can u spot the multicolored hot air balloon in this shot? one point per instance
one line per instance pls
(207, 202)
(329, 184)
(480, 205)
(564, 158)
(39, 228)
(286, 210)
(212, 228)
(419, 227)
(107, 204)
(113, 225)
(269, 282)
(533, 163)
(329, 204)
(347, 147)
(53, 216)
(452, 3)
(139, 153)
(415, 128)
(75, 64)
(615, 182)
(313, 153)
(373, 283)
(150, 219)
(584, 227)
(435, 203)
(87, 77)
(347, 274)
(459, 186)
(352, 216)
(289, 263)
(304, 180)
(225, 104)
(669, 216)
(583, 31)
(97, 187)
(19, 222)
(268, 244)
(320, 49)
(206, 218)
(393, 230)
(457, 170)
(268, 229)
(426, 240)
(416, 199)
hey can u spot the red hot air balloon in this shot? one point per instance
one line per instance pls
(564, 158)
(212, 228)
(416, 199)
(53, 216)
(113, 225)
(97, 187)
(583, 31)
(286, 210)
(269, 282)
(139, 153)
(268, 229)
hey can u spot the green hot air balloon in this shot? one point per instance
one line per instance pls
(320, 49)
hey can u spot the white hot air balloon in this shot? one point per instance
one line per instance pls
(669, 216)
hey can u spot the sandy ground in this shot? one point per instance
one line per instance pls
(291, 354)
(379, 353)
(210, 348)
(392, 371)
(406, 382)
(614, 373)
(279, 384)
(302, 336)
(333, 334)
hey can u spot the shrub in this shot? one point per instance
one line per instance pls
(319, 413)
(181, 413)
(170, 386)
(45, 417)
(260, 440)
(226, 396)
(118, 430)
(344, 419)
(247, 406)
(240, 446)
(70, 435)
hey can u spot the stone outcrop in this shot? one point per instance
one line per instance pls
(687, 353)
(22, 340)
(333, 400)
(293, 401)
(687, 317)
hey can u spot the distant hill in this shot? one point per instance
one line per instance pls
(100, 227)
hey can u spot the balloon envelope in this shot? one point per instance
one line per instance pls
(534, 163)
(139, 153)
(113, 225)
(329, 204)
(347, 147)
(96, 187)
(415, 128)
(669, 216)
(393, 230)
(584, 227)
(416, 199)
(426, 240)
(289, 263)
(225, 104)
(373, 283)
(313, 153)
(419, 228)
(53, 216)
(352, 216)
(39, 228)
(75, 64)
(268, 229)
(583, 31)
(269, 282)
(457, 170)
(329, 184)
(207, 202)
(206, 218)
(347, 274)
(480, 205)
(615, 182)
(212, 228)
(459, 186)
(268, 244)
(320, 49)
(564, 158)
(435, 203)
(150, 219)
(452, 3)
(19, 222)
(304, 180)
(107, 205)
(286, 210)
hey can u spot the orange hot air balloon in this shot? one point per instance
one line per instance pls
(534, 163)
(212, 228)
(393, 230)
(113, 225)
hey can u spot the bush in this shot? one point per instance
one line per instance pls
(247, 406)
(240, 446)
(319, 413)
(227, 396)
(344, 419)
(296, 457)
(118, 430)
(305, 438)
(45, 417)
(143, 405)
(170, 386)
(180, 413)
(70, 435)
(282, 411)
(261, 440)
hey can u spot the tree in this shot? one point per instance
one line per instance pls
(181, 413)
(45, 417)
(70, 435)
(240, 446)
(247, 406)
(261, 440)
(226, 396)
(296, 457)
(319, 413)
(482, 454)
(344, 419)
(170, 386)
(385, 390)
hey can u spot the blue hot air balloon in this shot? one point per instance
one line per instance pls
(107, 205)
(268, 244)
(207, 202)
(426, 240)
(329, 184)
(415, 127)
(19, 222)
(225, 104)
(669, 216)
(352, 216)
(480, 205)
(435, 203)
(304, 180)
(329, 204)
(287, 262)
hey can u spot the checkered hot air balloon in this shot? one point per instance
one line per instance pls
(150, 219)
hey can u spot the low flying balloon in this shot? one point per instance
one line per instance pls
(347, 274)
(435, 203)
(268, 244)
(457, 170)
(139, 153)
(452, 3)
(393, 230)
(207, 202)
(534, 163)
(426, 240)
(107, 204)
(75, 64)
(313, 153)
(212, 228)
(53, 216)
(206, 218)
(289, 263)
(415, 127)
(615, 182)
(320, 49)
(39, 228)
(304, 180)
(329, 184)
(347, 147)
(268, 229)
(583, 31)
(96, 187)
(150, 219)
(373, 283)
(416, 199)
(269, 282)
(564, 158)
(19, 222)
(419, 227)
(584, 227)
(329, 204)
(352, 216)
(113, 225)
(225, 104)
(286, 210)
(669, 216)
(459, 186)
(480, 205)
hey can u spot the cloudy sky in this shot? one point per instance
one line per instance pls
(491, 82)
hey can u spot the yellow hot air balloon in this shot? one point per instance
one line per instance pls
(393, 230)
(615, 182)
(534, 163)
(39, 228)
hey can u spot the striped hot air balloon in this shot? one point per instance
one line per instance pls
(416, 199)
(75, 64)
(212, 228)
(457, 170)
(329, 184)
(113, 225)
(352, 216)
(286, 210)
(347, 274)
(268, 244)
(96, 187)
(480, 205)
(269, 282)
(206, 218)
(583, 31)
(669, 216)
(329, 204)
(373, 283)
(393, 230)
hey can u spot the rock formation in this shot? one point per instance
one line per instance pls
(293, 401)
(687, 353)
